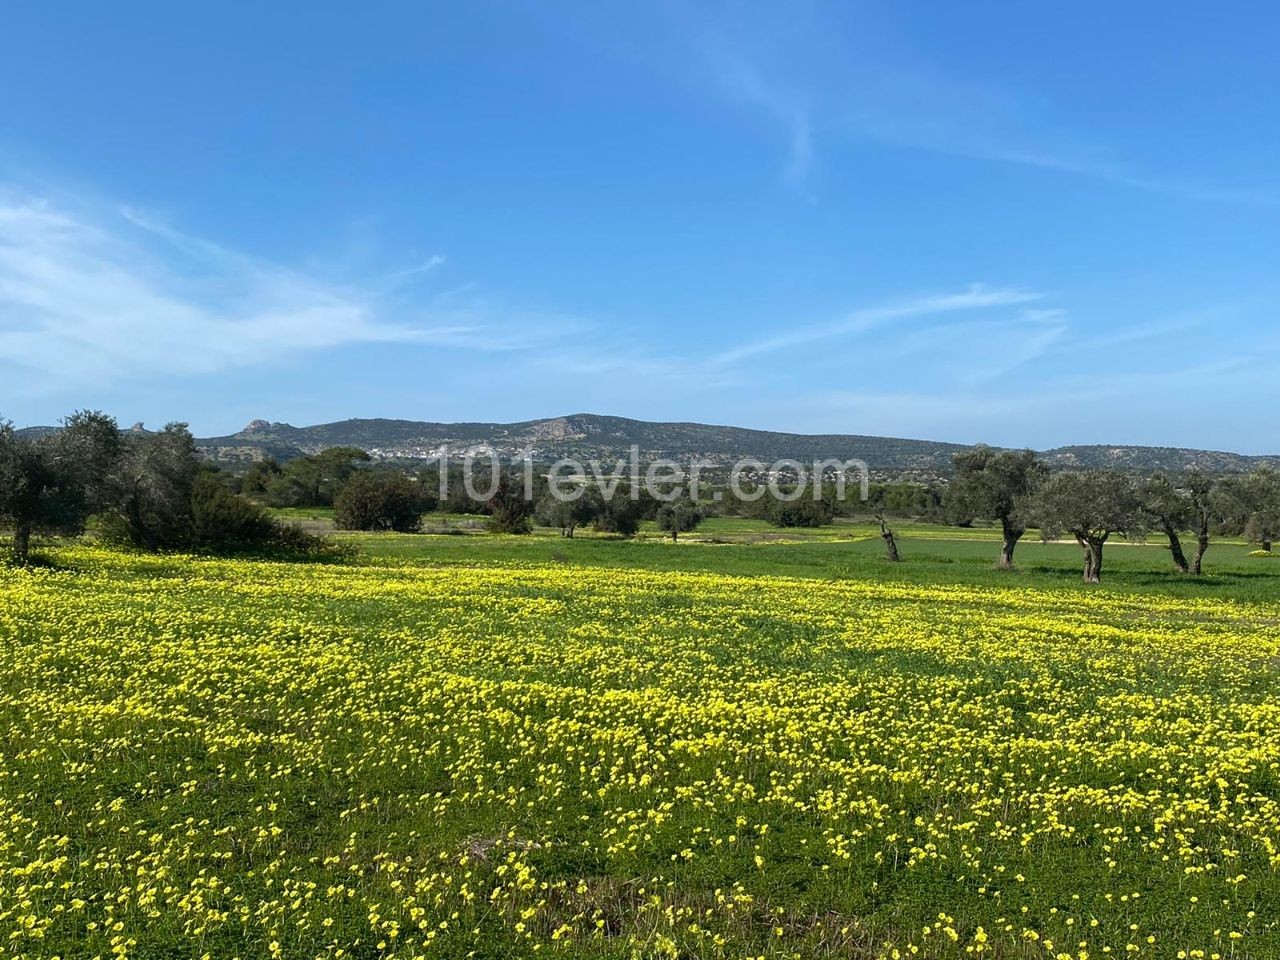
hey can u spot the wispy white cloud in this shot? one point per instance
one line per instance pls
(976, 297)
(742, 77)
(742, 81)
(974, 352)
(91, 298)
(399, 278)
(1007, 140)
(879, 90)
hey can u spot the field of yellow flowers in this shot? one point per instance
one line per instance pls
(248, 759)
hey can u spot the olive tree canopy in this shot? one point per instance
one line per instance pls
(996, 485)
(52, 483)
(1091, 505)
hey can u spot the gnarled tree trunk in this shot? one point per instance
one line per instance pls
(890, 545)
(1092, 547)
(1202, 544)
(1175, 547)
(1012, 534)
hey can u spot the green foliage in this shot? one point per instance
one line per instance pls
(223, 522)
(1165, 503)
(804, 511)
(152, 486)
(314, 481)
(1171, 509)
(994, 485)
(51, 484)
(380, 500)
(259, 476)
(1091, 505)
(916, 501)
(510, 507)
(677, 517)
(220, 518)
(1251, 505)
(568, 515)
(450, 490)
(621, 514)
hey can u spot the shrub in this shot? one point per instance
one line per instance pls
(510, 511)
(803, 512)
(619, 514)
(224, 522)
(377, 500)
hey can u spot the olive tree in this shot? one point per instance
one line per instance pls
(53, 483)
(1204, 495)
(1091, 505)
(618, 514)
(678, 517)
(996, 485)
(878, 503)
(1252, 503)
(1168, 507)
(151, 490)
(568, 514)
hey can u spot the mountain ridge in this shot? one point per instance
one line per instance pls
(587, 436)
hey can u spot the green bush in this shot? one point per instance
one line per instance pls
(510, 510)
(224, 522)
(221, 519)
(380, 500)
(801, 512)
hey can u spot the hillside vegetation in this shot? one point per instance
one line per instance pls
(589, 436)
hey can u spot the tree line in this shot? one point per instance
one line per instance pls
(389, 499)
(1014, 489)
(1017, 490)
(144, 489)
(151, 491)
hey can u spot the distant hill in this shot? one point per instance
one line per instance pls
(589, 436)
(35, 433)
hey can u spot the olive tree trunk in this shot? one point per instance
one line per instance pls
(1202, 544)
(1175, 548)
(1012, 535)
(1092, 547)
(890, 545)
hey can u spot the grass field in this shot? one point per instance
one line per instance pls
(500, 746)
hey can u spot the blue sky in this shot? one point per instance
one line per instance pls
(995, 222)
